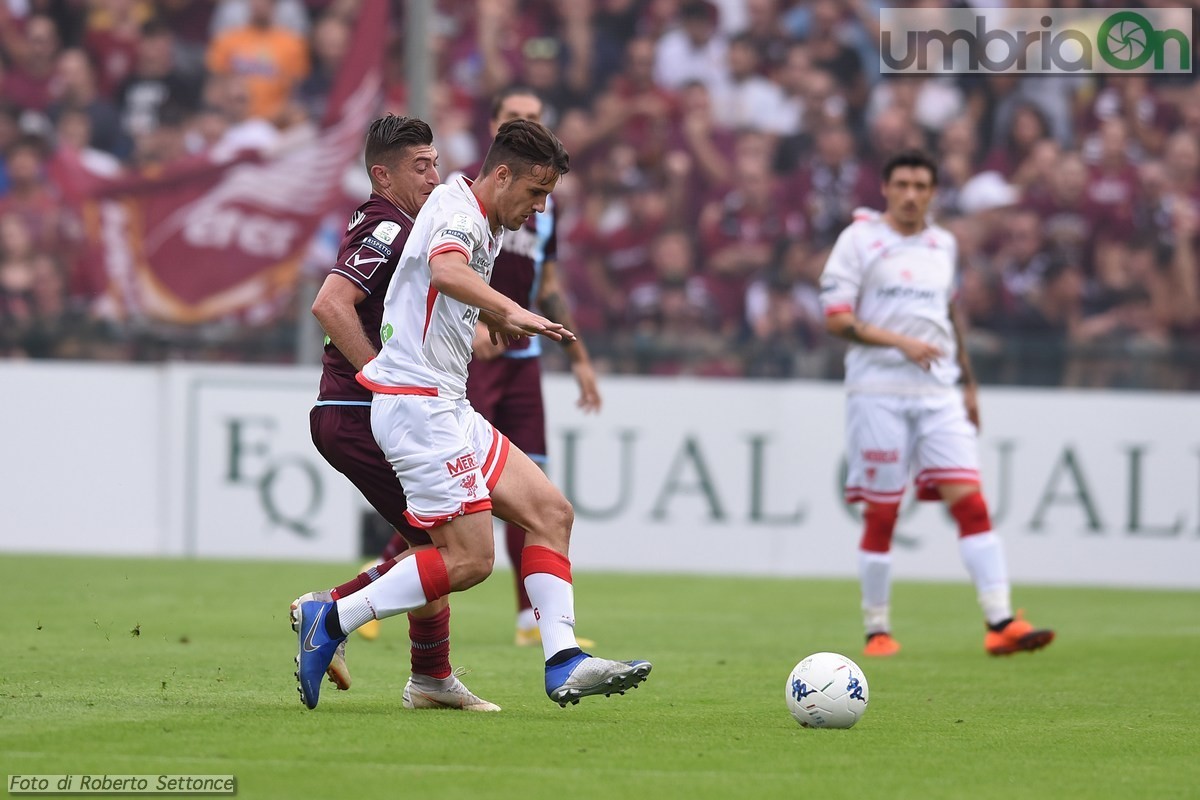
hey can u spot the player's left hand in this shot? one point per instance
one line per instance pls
(523, 322)
(589, 392)
(971, 401)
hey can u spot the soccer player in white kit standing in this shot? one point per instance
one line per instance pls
(911, 408)
(456, 468)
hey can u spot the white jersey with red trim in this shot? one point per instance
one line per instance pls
(902, 284)
(427, 335)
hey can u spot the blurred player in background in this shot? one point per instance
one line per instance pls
(455, 466)
(504, 382)
(402, 164)
(912, 407)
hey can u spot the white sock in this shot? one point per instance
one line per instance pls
(395, 592)
(875, 577)
(983, 554)
(526, 619)
(554, 605)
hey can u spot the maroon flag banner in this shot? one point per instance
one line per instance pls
(214, 241)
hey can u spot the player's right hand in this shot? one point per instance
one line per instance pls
(923, 354)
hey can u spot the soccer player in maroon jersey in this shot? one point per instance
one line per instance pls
(402, 164)
(504, 382)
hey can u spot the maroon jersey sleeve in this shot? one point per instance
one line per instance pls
(371, 247)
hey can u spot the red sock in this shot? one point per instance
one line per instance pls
(363, 580)
(395, 547)
(430, 641)
(514, 536)
(879, 522)
(971, 513)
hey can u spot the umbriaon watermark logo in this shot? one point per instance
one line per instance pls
(1035, 40)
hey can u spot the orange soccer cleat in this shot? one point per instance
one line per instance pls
(1017, 636)
(881, 644)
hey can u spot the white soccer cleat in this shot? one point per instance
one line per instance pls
(338, 672)
(458, 696)
(585, 675)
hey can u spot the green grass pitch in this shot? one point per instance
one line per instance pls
(148, 666)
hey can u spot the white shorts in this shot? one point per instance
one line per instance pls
(446, 455)
(892, 437)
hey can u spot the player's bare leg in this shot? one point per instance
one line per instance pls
(983, 554)
(525, 496)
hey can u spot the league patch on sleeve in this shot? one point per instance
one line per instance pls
(386, 232)
(364, 261)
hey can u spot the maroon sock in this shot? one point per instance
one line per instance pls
(430, 641)
(395, 548)
(514, 536)
(362, 580)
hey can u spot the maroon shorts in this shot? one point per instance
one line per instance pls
(343, 437)
(508, 393)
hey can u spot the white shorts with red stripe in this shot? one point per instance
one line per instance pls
(446, 455)
(892, 437)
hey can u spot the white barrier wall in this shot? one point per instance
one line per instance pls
(674, 475)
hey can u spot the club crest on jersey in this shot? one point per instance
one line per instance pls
(364, 261)
(386, 231)
(355, 220)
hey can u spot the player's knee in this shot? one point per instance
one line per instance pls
(971, 514)
(474, 568)
(879, 523)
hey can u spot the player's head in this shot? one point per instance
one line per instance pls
(402, 161)
(522, 168)
(515, 102)
(909, 181)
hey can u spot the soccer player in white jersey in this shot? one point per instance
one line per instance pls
(456, 468)
(911, 409)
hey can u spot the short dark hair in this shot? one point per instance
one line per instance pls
(390, 135)
(512, 91)
(911, 158)
(524, 146)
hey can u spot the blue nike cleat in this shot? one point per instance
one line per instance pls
(586, 675)
(315, 651)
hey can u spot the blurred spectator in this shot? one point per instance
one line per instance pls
(747, 99)
(75, 89)
(764, 27)
(634, 110)
(330, 41)
(74, 133)
(1132, 98)
(784, 317)
(694, 51)
(27, 83)
(35, 201)
(114, 29)
(271, 59)
(740, 233)
(831, 51)
(673, 318)
(1069, 219)
(1023, 258)
(1027, 129)
(834, 183)
(155, 81)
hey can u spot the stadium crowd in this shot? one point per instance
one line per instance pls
(718, 148)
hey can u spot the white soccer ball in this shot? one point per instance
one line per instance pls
(827, 690)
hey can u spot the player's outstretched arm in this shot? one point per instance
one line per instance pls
(852, 329)
(551, 303)
(334, 309)
(452, 276)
